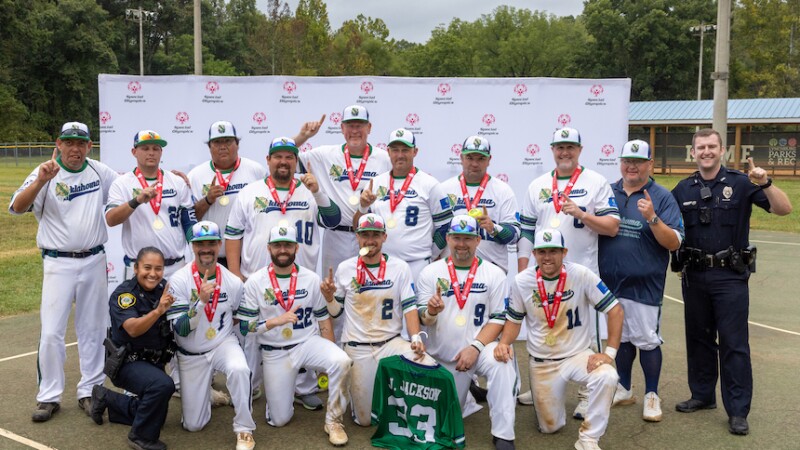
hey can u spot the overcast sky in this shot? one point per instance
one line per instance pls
(413, 20)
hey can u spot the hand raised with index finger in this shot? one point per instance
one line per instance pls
(756, 174)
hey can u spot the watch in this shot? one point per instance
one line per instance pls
(767, 184)
(653, 221)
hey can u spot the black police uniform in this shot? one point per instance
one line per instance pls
(715, 255)
(143, 371)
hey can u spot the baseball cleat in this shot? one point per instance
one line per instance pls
(245, 441)
(44, 411)
(336, 434)
(525, 399)
(580, 410)
(652, 407)
(586, 444)
(219, 398)
(623, 396)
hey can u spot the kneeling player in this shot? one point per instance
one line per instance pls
(558, 339)
(462, 302)
(283, 306)
(206, 297)
(375, 292)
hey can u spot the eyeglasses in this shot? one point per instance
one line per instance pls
(634, 161)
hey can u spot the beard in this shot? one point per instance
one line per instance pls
(283, 261)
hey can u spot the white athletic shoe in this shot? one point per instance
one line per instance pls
(257, 393)
(526, 398)
(652, 407)
(623, 396)
(245, 441)
(336, 434)
(587, 444)
(580, 410)
(219, 398)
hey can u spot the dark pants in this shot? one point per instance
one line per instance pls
(146, 413)
(717, 304)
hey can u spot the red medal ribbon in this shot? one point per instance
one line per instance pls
(362, 271)
(287, 304)
(462, 298)
(395, 200)
(551, 312)
(221, 180)
(355, 179)
(274, 192)
(482, 187)
(155, 202)
(211, 307)
(567, 189)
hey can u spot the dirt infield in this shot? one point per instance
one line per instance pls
(774, 340)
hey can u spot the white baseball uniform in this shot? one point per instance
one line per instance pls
(328, 165)
(138, 231)
(373, 320)
(69, 209)
(450, 334)
(288, 348)
(501, 204)
(210, 346)
(201, 178)
(563, 356)
(421, 218)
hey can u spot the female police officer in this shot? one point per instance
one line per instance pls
(139, 324)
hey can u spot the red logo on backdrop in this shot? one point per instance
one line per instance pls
(502, 177)
(596, 89)
(607, 149)
(289, 87)
(109, 268)
(488, 119)
(212, 86)
(382, 145)
(306, 147)
(792, 142)
(259, 118)
(412, 119)
(564, 119)
(182, 117)
(532, 149)
(367, 87)
(105, 116)
(134, 86)
(520, 89)
(443, 88)
(336, 118)
(456, 149)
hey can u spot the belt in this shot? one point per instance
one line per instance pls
(343, 228)
(183, 351)
(371, 344)
(57, 254)
(270, 348)
(167, 262)
(699, 259)
(541, 360)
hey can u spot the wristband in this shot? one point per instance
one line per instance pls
(611, 352)
(362, 209)
(416, 338)
(478, 345)
(767, 184)
(206, 199)
(133, 203)
(496, 230)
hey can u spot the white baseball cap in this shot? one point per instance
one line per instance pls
(371, 222)
(205, 230)
(75, 130)
(636, 149)
(283, 233)
(463, 224)
(403, 136)
(355, 112)
(476, 144)
(148, 137)
(566, 136)
(221, 129)
(548, 238)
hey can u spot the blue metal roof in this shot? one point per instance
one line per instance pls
(700, 112)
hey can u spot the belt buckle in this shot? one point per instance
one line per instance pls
(709, 261)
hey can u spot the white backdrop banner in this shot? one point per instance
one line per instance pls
(517, 115)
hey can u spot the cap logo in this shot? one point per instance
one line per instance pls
(635, 148)
(462, 223)
(221, 128)
(399, 133)
(282, 231)
(204, 228)
(284, 141)
(547, 236)
(564, 133)
(476, 143)
(75, 126)
(354, 111)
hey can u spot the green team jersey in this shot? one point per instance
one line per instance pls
(415, 406)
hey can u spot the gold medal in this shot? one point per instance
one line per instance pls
(363, 251)
(391, 223)
(554, 222)
(461, 320)
(353, 200)
(550, 339)
(286, 333)
(158, 224)
(224, 200)
(283, 223)
(475, 213)
(211, 333)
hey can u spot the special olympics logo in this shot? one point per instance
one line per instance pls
(182, 117)
(607, 149)
(259, 118)
(336, 118)
(367, 87)
(109, 268)
(212, 87)
(383, 146)
(564, 119)
(502, 177)
(456, 149)
(306, 147)
(289, 87)
(134, 87)
(443, 88)
(520, 89)
(596, 89)
(532, 149)
(412, 119)
(105, 116)
(488, 119)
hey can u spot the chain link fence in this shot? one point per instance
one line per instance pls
(30, 154)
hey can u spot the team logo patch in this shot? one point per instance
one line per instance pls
(399, 133)
(452, 199)
(194, 297)
(62, 191)
(269, 296)
(635, 148)
(477, 142)
(221, 128)
(612, 202)
(727, 192)
(564, 133)
(537, 301)
(354, 284)
(136, 191)
(354, 111)
(260, 203)
(282, 231)
(545, 194)
(443, 284)
(336, 171)
(382, 191)
(206, 188)
(547, 236)
(126, 300)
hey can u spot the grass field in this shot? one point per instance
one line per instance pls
(21, 268)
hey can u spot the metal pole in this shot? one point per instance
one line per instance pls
(700, 67)
(141, 42)
(198, 40)
(721, 65)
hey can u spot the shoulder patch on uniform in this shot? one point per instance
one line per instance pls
(126, 300)
(602, 287)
